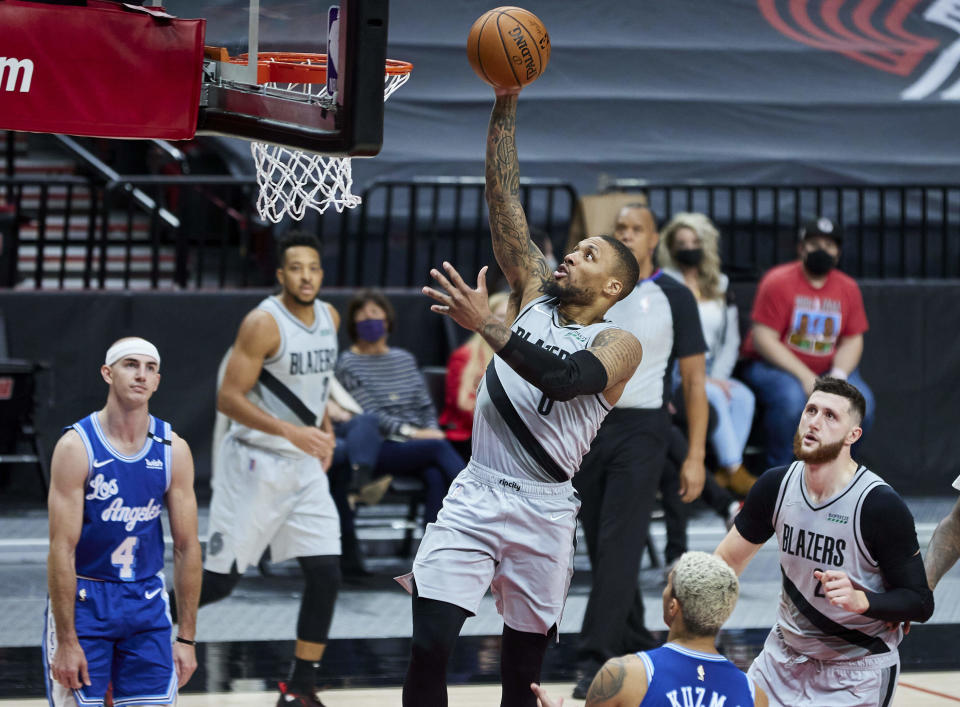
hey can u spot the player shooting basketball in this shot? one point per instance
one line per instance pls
(509, 519)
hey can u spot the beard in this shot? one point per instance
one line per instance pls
(299, 300)
(567, 294)
(821, 455)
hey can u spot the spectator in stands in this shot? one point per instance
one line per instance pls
(464, 371)
(385, 380)
(689, 252)
(808, 321)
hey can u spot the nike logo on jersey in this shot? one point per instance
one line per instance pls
(97, 465)
(151, 595)
(558, 516)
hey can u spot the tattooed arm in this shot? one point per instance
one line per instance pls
(621, 682)
(521, 261)
(944, 548)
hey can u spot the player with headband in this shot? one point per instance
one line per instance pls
(108, 614)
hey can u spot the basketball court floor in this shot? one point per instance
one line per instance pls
(247, 639)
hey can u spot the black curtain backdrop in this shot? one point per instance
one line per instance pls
(911, 360)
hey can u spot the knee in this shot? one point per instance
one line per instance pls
(217, 586)
(321, 571)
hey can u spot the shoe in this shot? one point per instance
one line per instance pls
(732, 511)
(741, 481)
(372, 493)
(582, 687)
(289, 698)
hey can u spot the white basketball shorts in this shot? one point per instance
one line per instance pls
(262, 499)
(513, 535)
(791, 679)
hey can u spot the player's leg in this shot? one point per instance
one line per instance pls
(322, 575)
(451, 573)
(436, 626)
(310, 533)
(97, 647)
(521, 658)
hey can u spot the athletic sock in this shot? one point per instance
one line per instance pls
(303, 676)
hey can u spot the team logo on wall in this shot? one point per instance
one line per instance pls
(880, 34)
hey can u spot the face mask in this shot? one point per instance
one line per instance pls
(371, 329)
(690, 257)
(819, 262)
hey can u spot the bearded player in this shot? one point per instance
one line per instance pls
(849, 561)
(509, 519)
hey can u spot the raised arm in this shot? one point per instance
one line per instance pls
(521, 261)
(944, 548)
(187, 560)
(68, 474)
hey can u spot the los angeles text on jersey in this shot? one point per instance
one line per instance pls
(692, 696)
(101, 489)
(525, 335)
(815, 547)
(316, 361)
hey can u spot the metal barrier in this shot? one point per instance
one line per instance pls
(406, 227)
(889, 231)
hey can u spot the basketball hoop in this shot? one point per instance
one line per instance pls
(291, 181)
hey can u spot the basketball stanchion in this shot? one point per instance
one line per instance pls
(292, 181)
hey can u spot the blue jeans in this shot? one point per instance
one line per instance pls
(734, 417)
(435, 461)
(358, 441)
(782, 399)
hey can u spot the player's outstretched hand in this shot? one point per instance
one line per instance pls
(185, 662)
(70, 666)
(543, 699)
(838, 588)
(467, 307)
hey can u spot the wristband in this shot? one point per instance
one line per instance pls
(838, 373)
(181, 639)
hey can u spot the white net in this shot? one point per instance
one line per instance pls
(292, 181)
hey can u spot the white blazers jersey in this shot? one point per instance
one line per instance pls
(517, 429)
(295, 382)
(827, 537)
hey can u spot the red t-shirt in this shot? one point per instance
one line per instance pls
(457, 423)
(810, 321)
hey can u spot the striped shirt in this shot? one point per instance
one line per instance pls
(389, 385)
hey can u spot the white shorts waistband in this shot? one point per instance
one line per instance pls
(524, 487)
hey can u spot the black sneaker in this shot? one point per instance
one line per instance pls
(289, 698)
(582, 687)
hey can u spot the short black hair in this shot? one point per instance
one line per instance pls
(625, 266)
(838, 386)
(357, 302)
(293, 239)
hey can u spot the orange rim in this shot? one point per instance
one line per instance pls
(300, 67)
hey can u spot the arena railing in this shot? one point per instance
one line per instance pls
(889, 230)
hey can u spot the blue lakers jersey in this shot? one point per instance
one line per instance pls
(680, 677)
(122, 536)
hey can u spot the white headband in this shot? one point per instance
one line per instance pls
(129, 347)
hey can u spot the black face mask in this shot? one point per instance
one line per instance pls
(691, 257)
(819, 262)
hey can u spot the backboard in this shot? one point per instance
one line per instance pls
(350, 123)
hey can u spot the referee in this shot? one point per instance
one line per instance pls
(619, 476)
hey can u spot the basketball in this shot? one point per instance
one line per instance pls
(508, 47)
